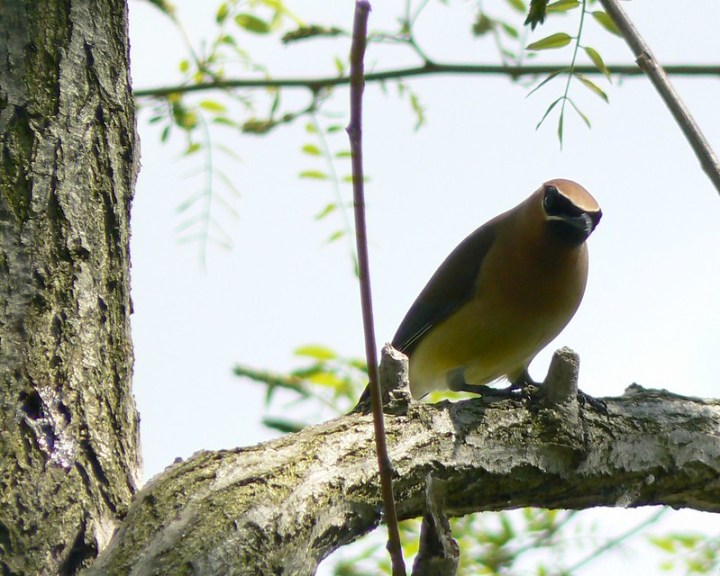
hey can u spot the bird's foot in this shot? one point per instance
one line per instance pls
(522, 388)
(595, 403)
(513, 392)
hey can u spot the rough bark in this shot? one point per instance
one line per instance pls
(69, 448)
(282, 506)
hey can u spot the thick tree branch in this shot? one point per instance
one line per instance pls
(284, 505)
(429, 69)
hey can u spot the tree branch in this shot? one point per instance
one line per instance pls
(429, 69)
(354, 130)
(284, 505)
(648, 63)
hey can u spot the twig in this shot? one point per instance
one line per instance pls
(424, 70)
(615, 541)
(354, 130)
(647, 62)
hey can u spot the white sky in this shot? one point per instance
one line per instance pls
(651, 313)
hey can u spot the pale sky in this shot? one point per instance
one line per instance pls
(651, 313)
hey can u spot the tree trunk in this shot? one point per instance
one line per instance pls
(69, 460)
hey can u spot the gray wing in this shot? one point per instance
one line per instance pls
(450, 287)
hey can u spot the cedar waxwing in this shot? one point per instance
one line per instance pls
(502, 295)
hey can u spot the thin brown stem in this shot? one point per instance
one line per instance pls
(658, 76)
(354, 130)
(428, 69)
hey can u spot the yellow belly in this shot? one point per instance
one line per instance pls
(489, 340)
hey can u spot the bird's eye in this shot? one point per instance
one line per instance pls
(550, 200)
(557, 204)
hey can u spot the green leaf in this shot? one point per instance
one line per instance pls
(310, 128)
(222, 13)
(275, 104)
(510, 55)
(311, 149)
(305, 373)
(316, 351)
(689, 541)
(510, 30)
(557, 40)
(258, 126)
(518, 5)
(549, 77)
(252, 23)
(225, 121)
(418, 109)
(326, 379)
(563, 5)
(313, 174)
(664, 543)
(482, 25)
(547, 112)
(325, 211)
(336, 236)
(282, 425)
(164, 6)
(227, 39)
(191, 149)
(343, 154)
(594, 88)
(213, 106)
(580, 113)
(597, 60)
(188, 203)
(183, 118)
(508, 532)
(603, 18)
(184, 66)
(561, 122)
(358, 364)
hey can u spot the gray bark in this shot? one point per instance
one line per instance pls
(282, 506)
(69, 446)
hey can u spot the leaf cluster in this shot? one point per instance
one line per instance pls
(560, 40)
(326, 384)
(257, 104)
(692, 552)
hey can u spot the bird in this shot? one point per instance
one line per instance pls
(502, 294)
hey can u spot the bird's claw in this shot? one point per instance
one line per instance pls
(516, 391)
(595, 403)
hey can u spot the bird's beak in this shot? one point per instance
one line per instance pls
(583, 224)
